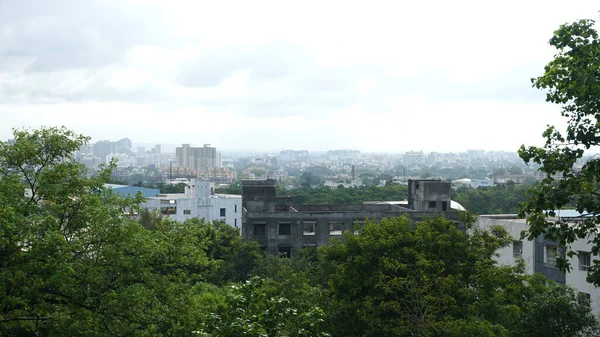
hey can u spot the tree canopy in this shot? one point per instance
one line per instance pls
(571, 80)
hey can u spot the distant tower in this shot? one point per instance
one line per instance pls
(353, 171)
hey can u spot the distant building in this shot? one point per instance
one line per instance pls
(281, 227)
(293, 155)
(539, 255)
(199, 200)
(103, 148)
(356, 182)
(196, 158)
(472, 183)
(414, 158)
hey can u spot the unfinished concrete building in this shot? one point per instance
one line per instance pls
(281, 227)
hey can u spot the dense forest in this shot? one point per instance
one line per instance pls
(77, 260)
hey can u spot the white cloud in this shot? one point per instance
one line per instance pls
(375, 76)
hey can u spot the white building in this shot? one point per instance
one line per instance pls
(473, 183)
(539, 256)
(199, 200)
(357, 182)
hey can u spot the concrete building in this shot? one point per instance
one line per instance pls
(196, 158)
(198, 200)
(281, 227)
(539, 255)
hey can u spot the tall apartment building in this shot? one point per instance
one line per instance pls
(196, 158)
(414, 158)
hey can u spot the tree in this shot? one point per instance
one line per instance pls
(571, 80)
(431, 279)
(558, 311)
(254, 308)
(394, 280)
(74, 259)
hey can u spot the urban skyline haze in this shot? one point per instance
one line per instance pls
(382, 76)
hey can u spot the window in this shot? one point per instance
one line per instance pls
(285, 228)
(260, 228)
(285, 251)
(444, 206)
(187, 211)
(517, 249)
(550, 255)
(416, 185)
(309, 227)
(335, 228)
(585, 260)
(432, 204)
(168, 210)
(235, 222)
(235, 208)
(584, 296)
(222, 211)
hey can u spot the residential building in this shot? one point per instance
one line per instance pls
(539, 255)
(196, 158)
(198, 200)
(414, 158)
(281, 227)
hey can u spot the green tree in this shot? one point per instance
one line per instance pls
(395, 280)
(572, 80)
(254, 309)
(557, 311)
(74, 259)
(431, 279)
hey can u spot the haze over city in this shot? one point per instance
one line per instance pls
(381, 76)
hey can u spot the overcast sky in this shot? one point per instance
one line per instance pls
(384, 76)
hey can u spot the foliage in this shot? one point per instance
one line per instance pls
(498, 199)
(430, 280)
(572, 80)
(73, 261)
(558, 311)
(173, 188)
(253, 310)
(325, 195)
(235, 188)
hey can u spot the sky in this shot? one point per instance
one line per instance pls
(375, 76)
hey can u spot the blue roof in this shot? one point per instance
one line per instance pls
(125, 190)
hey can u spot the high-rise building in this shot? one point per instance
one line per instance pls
(103, 148)
(196, 158)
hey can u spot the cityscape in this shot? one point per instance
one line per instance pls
(348, 168)
(311, 169)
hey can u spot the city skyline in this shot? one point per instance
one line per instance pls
(386, 78)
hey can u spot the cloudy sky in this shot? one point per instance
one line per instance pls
(384, 76)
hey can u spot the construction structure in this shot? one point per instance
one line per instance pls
(283, 228)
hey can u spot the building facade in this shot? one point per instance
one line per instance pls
(199, 200)
(196, 158)
(281, 227)
(539, 256)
